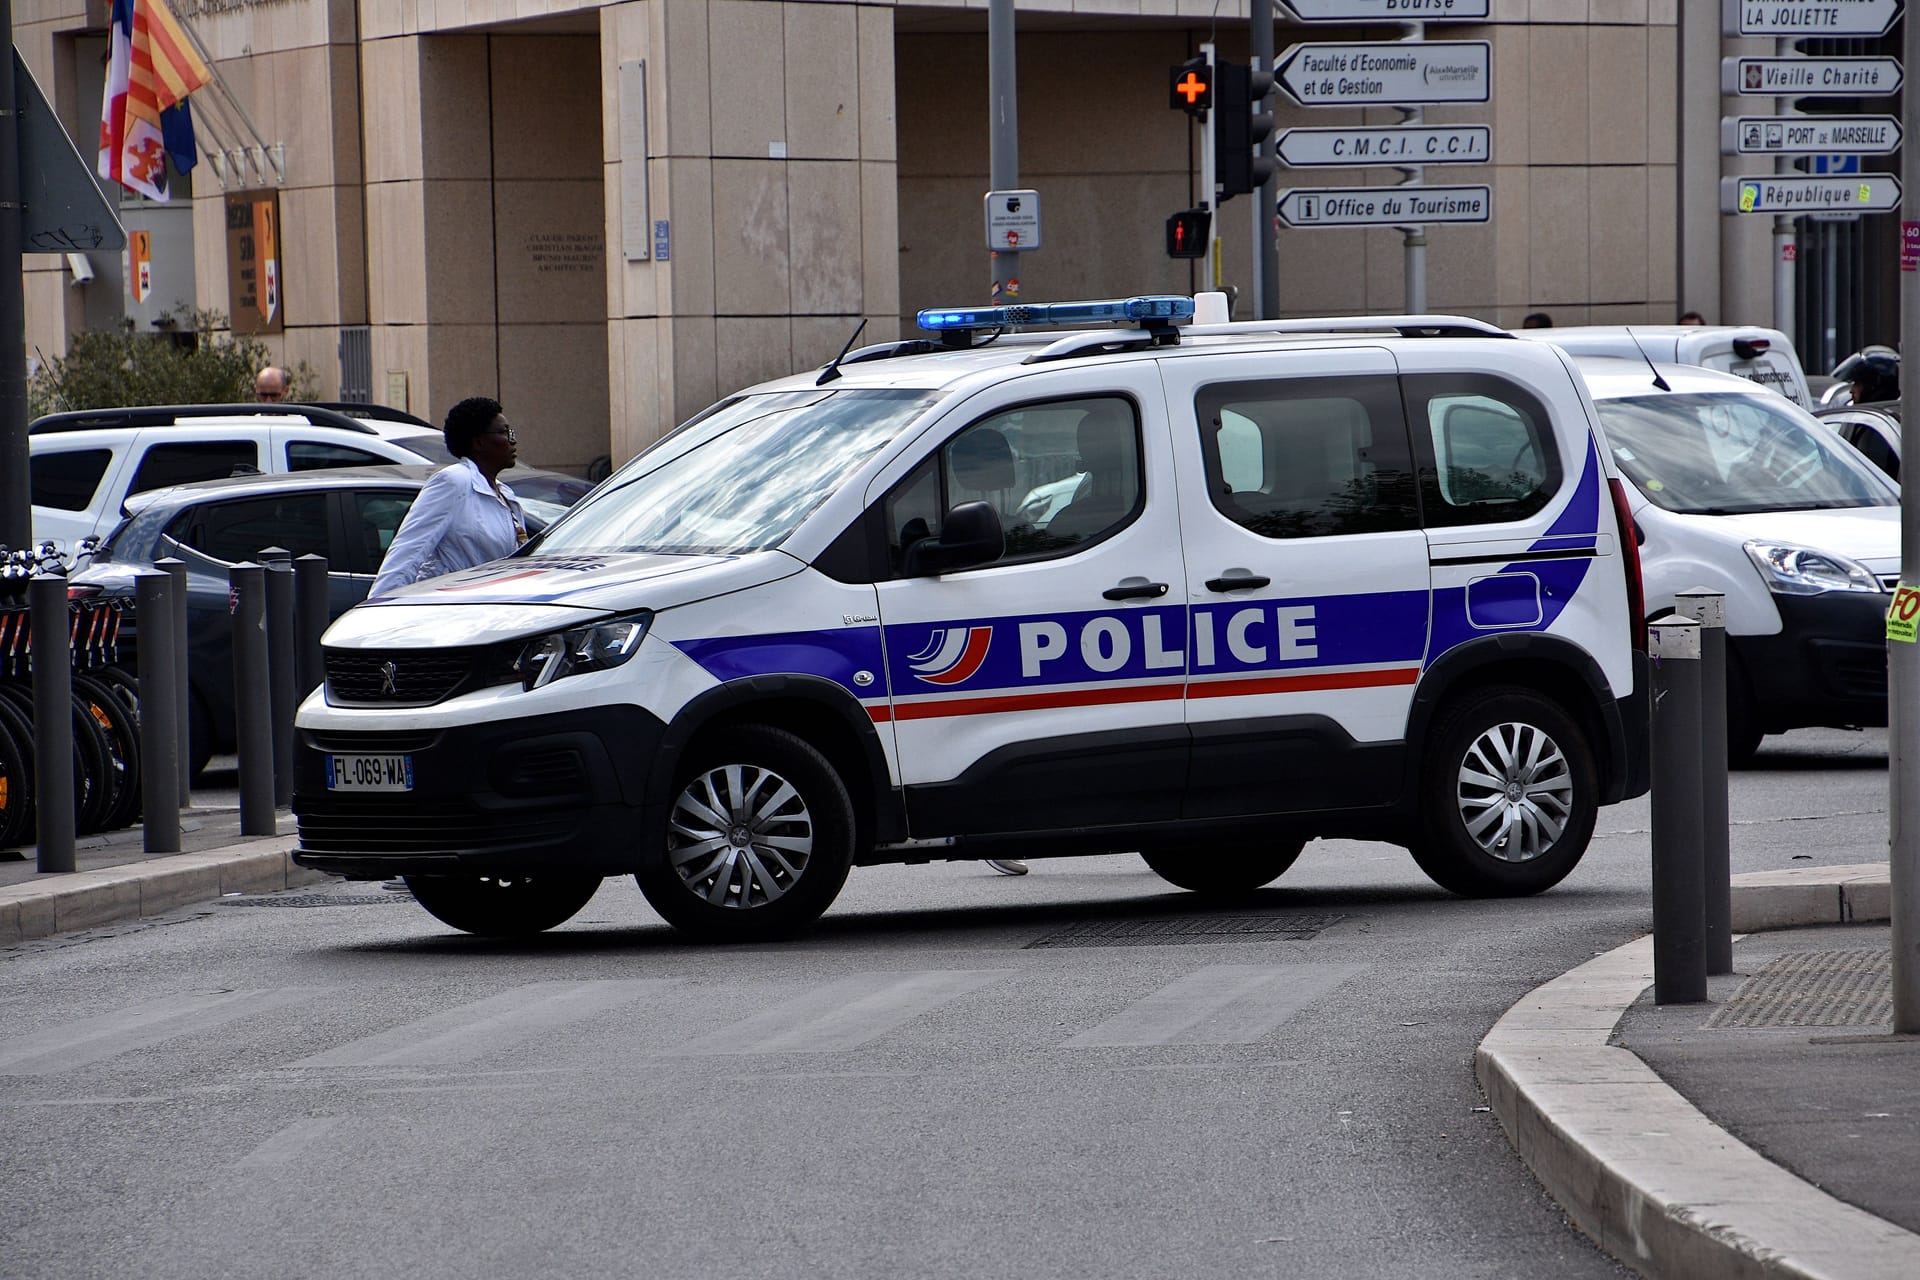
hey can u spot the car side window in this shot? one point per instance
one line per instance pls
(239, 530)
(165, 464)
(1308, 457)
(315, 455)
(374, 520)
(1485, 447)
(67, 481)
(1060, 473)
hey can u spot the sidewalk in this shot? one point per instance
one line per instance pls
(1618, 1105)
(118, 880)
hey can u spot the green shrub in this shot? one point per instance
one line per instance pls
(193, 360)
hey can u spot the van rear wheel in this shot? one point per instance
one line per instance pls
(1225, 871)
(503, 906)
(759, 838)
(1508, 795)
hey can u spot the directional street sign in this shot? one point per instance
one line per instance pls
(1810, 77)
(1765, 193)
(1386, 10)
(1308, 207)
(1392, 144)
(1406, 72)
(1825, 19)
(1809, 135)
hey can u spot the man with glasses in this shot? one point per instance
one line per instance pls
(270, 385)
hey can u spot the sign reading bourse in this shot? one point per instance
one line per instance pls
(254, 298)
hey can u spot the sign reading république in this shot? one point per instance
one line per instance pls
(1810, 77)
(1383, 206)
(1824, 18)
(1404, 72)
(1386, 10)
(1809, 135)
(1847, 193)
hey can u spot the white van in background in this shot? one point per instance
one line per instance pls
(1759, 355)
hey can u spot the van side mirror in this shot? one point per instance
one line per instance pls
(970, 535)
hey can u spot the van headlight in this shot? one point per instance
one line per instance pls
(600, 646)
(1802, 571)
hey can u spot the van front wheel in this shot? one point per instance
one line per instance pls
(759, 838)
(1508, 796)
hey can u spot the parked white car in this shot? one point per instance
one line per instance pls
(1765, 356)
(1741, 492)
(84, 466)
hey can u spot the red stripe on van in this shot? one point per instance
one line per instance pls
(1144, 693)
(1304, 684)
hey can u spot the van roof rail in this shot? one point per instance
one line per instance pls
(1424, 326)
(169, 415)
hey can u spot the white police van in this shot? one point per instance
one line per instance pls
(1359, 577)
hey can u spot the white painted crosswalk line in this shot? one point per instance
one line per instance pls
(289, 1144)
(845, 1014)
(471, 1031)
(90, 1040)
(1220, 1004)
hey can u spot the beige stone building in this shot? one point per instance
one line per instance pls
(608, 213)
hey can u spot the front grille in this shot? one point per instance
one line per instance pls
(377, 742)
(413, 826)
(408, 677)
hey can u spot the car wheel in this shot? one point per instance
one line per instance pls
(199, 736)
(1743, 727)
(1508, 795)
(503, 906)
(759, 838)
(1225, 871)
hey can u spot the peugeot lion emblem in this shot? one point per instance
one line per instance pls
(388, 671)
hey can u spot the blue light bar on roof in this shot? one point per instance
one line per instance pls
(1164, 308)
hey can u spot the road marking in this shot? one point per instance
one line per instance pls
(91, 1040)
(845, 1014)
(475, 1030)
(289, 1144)
(1220, 1004)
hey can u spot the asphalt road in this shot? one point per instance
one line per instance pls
(942, 1079)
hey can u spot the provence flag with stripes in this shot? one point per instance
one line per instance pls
(151, 68)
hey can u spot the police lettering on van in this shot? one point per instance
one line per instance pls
(1034, 587)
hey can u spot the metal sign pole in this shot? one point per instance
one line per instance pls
(1209, 197)
(16, 497)
(1266, 250)
(1903, 657)
(1003, 106)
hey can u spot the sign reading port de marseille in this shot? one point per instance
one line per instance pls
(1823, 18)
(1386, 10)
(1383, 206)
(1848, 193)
(1391, 144)
(1810, 77)
(1809, 135)
(1406, 72)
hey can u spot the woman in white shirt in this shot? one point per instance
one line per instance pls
(464, 516)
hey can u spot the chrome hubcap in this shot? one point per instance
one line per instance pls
(1514, 792)
(740, 836)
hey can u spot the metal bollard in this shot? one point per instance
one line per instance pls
(53, 781)
(1709, 608)
(280, 675)
(1679, 887)
(252, 699)
(155, 602)
(310, 620)
(183, 688)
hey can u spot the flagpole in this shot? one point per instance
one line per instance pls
(16, 494)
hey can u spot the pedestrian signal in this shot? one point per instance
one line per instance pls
(1191, 87)
(1187, 233)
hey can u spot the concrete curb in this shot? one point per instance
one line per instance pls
(85, 899)
(1658, 1185)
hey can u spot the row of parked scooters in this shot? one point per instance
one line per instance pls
(105, 709)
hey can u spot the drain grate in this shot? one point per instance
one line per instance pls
(1167, 931)
(320, 900)
(1852, 988)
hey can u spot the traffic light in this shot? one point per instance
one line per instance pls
(1243, 129)
(1187, 233)
(1190, 87)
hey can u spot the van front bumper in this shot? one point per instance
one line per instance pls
(550, 793)
(1827, 665)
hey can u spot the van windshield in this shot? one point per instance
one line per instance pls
(1725, 454)
(740, 477)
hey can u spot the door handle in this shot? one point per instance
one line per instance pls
(1237, 580)
(1136, 589)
